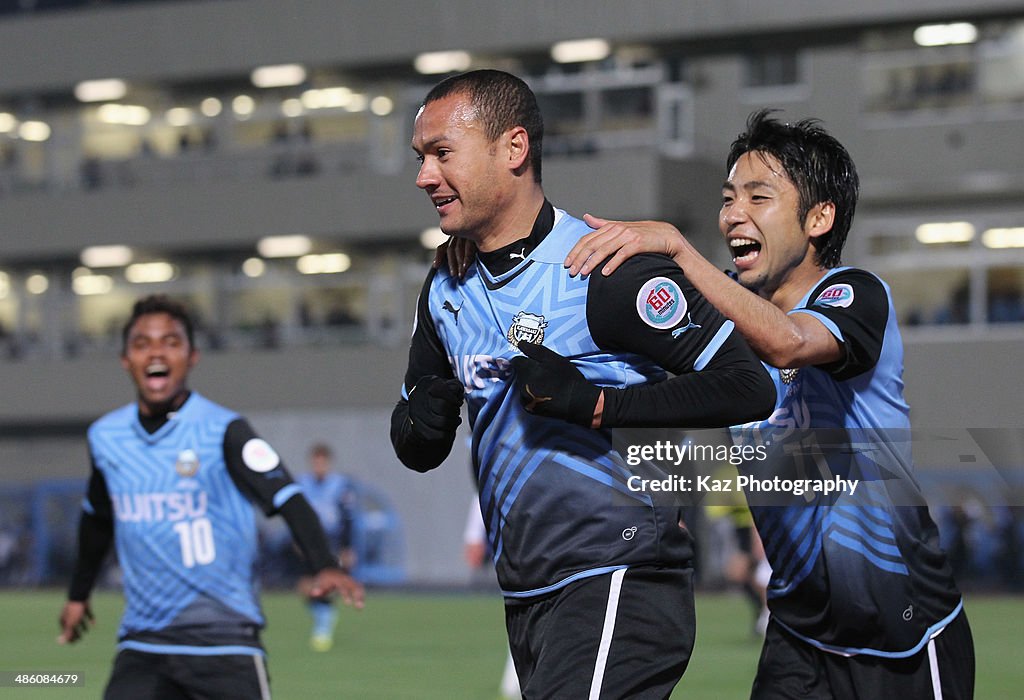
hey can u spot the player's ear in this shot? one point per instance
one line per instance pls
(820, 219)
(193, 357)
(518, 147)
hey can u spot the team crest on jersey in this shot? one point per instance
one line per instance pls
(187, 463)
(838, 295)
(528, 327)
(660, 303)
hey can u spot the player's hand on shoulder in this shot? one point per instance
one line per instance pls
(457, 253)
(621, 240)
(333, 580)
(75, 619)
(551, 385)
(434, 407)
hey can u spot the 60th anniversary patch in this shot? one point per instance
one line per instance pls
(660, 303)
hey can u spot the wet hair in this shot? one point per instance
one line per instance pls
(818, 166)
(502, 101)
(158, 304)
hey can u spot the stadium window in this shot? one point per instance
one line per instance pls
(776, 68)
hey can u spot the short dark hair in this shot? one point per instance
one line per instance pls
(320, 449)
(818, 166)
(159, 304)
(503, 101)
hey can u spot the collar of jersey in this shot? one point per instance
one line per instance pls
(552, 249)
(172, 422)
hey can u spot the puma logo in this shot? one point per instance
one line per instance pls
(534, 400)
(447, 306)
(521, 255)
(689, 324)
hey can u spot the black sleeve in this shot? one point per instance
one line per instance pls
(854, 306)
(648, 307)
(260, 474)
(95, 534)
(255, 468)
(426, 357)
(308, 533)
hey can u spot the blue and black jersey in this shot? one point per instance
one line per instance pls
(858, 572)
(333, 498)
(551, 491)
(177, 496)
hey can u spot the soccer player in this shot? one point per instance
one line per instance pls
(598, 594)
(173, 483)
(862, 599)
(334, 500)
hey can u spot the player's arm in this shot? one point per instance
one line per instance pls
(718, 380)
(425, 419)
(95, 534)
(259, 473)
(779, 339)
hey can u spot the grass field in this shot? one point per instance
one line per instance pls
(448, 647)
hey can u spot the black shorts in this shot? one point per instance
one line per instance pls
(792, 668)
(139, 675)
(627, 634)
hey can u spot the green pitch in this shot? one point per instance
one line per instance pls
(449, 647)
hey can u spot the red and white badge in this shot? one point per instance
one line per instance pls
(259, 456)
(838, 295)
(660, 303)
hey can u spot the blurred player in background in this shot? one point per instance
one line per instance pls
(334, 499)
(862, 599)
(745, 565)
(173, 483)
(598, 598)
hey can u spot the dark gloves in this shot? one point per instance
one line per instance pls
(551, 385)
(434, 406)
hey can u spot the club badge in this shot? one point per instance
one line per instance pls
(187, 464)
(528, 327)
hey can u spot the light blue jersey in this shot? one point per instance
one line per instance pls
(185, 534)
(330, 497)
(856, 571)
(552, 493)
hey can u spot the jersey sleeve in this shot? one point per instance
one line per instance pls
(256, 468)
(95, 535)
(97, 498)
(426, 357)
(854, 306)
(649, 308)
(426, 353)
(259, 473)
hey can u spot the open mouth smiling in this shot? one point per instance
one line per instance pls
(744, 250)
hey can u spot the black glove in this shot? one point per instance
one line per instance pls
(551, 385)
(434, 407)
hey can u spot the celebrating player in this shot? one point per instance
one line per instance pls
(863, 602)
(598, 598)
(173, 480)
